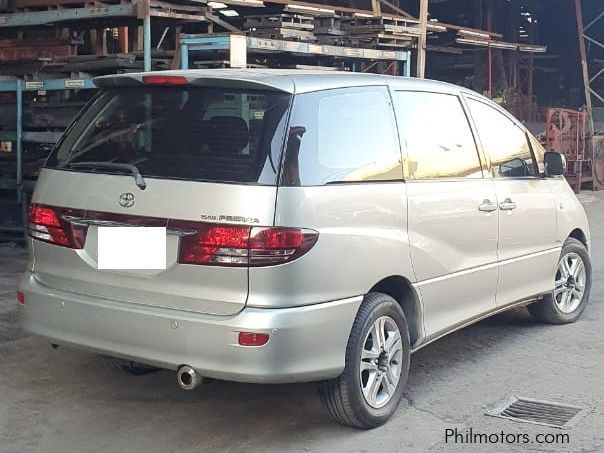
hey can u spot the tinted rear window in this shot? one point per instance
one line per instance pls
(206, 134)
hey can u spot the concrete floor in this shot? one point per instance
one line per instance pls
(68, 401)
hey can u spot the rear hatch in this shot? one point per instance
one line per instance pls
(208, 160)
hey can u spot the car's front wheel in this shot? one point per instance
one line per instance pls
(571, 288)
(377, 364)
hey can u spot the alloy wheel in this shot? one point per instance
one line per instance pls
(381, 362)
(571, 278)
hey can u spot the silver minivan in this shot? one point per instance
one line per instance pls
(319, 226)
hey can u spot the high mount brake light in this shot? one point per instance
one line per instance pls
(47, 224)
(165, 80)
(226, 245)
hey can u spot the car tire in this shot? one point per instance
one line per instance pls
(573, 285)
(366, 398)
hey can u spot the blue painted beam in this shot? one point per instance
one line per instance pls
(49, 85)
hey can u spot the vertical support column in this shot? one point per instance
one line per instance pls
(422, 40)
(376, 7)
(237, 51)
(407, 64)
(147, 36)
(19, 140)
(584, 67)
(184, 55)
(122, 40)
(529, 88)
(489, 21)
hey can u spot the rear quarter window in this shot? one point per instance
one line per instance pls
(344, 135)
(206, 134)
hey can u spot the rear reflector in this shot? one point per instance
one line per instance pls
(164, 80)
(226, 245)
(20, 298)
(253, 339)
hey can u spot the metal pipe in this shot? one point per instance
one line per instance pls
(184, 56)
(188, 378)
(19, 142)
(147, 39)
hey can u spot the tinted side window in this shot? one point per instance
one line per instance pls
(344, 135)
(505, 142)
(436, 134)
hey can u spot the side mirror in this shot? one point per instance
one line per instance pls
(555, 163)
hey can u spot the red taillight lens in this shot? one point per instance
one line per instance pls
(164, 80)
(274, 245)
(214, 244)
(225, 245)
(20, 298)
(253, 339)
(46, 224)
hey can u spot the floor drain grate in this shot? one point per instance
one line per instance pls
(548, 413)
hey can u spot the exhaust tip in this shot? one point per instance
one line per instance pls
(188, 378)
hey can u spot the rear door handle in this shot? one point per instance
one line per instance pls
(487, 206)
(507, 205)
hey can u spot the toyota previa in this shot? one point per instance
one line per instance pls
(316, 226)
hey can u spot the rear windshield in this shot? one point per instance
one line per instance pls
(205, 134)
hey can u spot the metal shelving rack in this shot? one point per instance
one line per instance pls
(238, 47)
(18, 87)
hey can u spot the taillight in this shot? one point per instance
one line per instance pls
(226, 245)
(274, 245)
(20, 298)
(214, 244)
(47, 224)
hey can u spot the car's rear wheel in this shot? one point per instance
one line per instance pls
(377, 364)
(572, 287)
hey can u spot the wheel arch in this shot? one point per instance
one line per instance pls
(401, 290)
(580, 236)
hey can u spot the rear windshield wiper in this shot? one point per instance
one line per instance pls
(132, 169)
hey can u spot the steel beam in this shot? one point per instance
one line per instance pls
(191, 43)
(19, 141)
(147, 36)
(422, 40)
(30, 18)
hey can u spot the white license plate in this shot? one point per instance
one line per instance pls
(131, 248)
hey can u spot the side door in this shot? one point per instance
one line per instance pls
(452, 210)
(528, 250)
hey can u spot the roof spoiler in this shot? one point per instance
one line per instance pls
(136, 79)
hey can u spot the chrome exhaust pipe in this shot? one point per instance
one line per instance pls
(188, 378)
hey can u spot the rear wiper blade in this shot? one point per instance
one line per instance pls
(132, 169)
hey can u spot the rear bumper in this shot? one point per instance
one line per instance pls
(306, 343)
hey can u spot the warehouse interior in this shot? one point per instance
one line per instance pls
(542, 61)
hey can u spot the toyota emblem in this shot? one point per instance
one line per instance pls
(127, 200)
